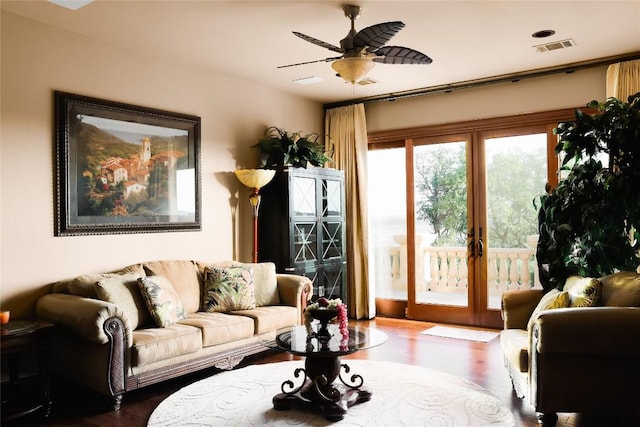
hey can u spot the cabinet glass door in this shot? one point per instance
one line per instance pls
(331, 197)
(303, 196)
(331, 240)
(305, 241)
(332, 283)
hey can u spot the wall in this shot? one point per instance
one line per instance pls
(526, 96)
(38, 59)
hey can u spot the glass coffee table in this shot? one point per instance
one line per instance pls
(318, 386)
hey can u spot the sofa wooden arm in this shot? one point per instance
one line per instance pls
(589, 330)
(294, 290)
(517, 307)
(88, 318)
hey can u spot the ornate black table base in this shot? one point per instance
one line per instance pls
(318, 390)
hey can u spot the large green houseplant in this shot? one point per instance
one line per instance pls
(590, 222)
(279, 148)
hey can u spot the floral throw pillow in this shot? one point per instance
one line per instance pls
(228, 288)
(162, 300)
(583, 291)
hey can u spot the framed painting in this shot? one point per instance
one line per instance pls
(122, 168)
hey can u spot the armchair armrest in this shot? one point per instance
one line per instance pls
(517, 307)
(86, 317)
(588, 330)
(294, 290)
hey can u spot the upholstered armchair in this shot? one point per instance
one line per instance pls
(566, 358)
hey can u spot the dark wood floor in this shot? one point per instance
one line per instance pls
(480, 363)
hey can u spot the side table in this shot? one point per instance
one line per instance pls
(23, 395)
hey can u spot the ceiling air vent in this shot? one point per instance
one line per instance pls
(554, 45)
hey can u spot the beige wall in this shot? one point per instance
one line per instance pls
(526, 96)
(36, 60)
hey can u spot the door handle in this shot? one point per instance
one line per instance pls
(472, 249)
(480, 244)
(472, 244)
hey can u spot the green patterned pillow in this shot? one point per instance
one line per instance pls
(583, 291)
(228, 288)
(552, 299)
(162, 300)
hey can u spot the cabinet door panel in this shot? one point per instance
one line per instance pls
(303, 197)
(331, 198)
(332, 241)
(305, 242)
(332, 282)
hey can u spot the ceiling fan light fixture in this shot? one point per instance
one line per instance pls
(352, 69)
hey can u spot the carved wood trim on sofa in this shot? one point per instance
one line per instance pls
(224, 360)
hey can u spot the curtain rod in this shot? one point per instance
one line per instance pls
(503, 78)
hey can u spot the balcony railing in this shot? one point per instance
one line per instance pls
(444, 269)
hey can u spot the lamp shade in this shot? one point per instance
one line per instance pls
(255, 178)
(353, 69)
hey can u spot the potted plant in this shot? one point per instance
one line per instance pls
(589, 223)
(279, 148)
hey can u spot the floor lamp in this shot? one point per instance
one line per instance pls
(255, 179)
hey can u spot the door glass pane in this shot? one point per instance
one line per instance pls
(516, 171)
(332, 279)
(331, 198)
(304, 196)
(387, 222)
(331, 240)
(440, 180)
(305, 237)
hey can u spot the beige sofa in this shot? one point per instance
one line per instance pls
(576, 359)
(106, 339)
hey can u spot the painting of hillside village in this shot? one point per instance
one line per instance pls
(130, 169)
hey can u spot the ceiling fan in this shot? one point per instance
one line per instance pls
(362, 49)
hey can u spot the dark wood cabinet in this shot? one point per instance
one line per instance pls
(302, 227)
(25, 393)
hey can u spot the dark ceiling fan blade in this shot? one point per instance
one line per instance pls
(401, 55)
(376, 36)
(310, 62)
(318, 42)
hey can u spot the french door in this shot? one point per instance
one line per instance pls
(452, 217)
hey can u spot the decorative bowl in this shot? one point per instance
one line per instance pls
(323, 314)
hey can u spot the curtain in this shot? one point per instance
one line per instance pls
(346, 137)
(623, 79)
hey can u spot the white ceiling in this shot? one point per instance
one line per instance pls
(467, 40)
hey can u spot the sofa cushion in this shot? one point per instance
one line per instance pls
(266, 283)
(552, 299)
(220, 328)
(271, 318)
(153, 344)
(183, 275)
(228, 288)
(124, 292)
(621, 289)
(264, 277)
(82, 286)
(583, 291)
(85, 285)
(163, 302)
(515, 346)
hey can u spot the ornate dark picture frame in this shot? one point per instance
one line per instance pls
(122, 168)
